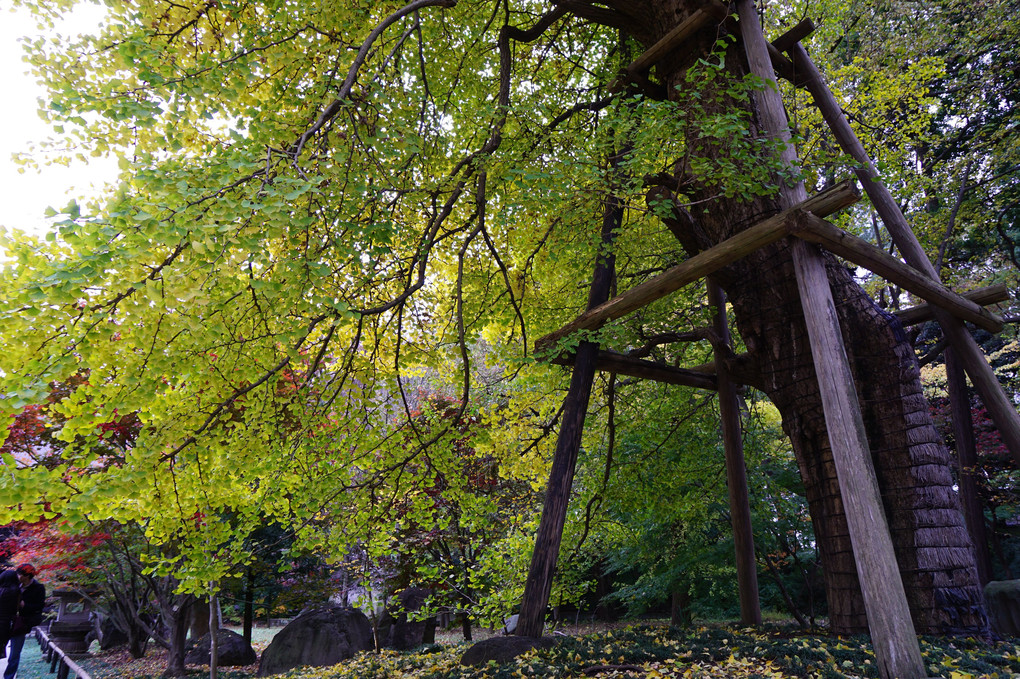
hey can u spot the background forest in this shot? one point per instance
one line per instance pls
(289, 354)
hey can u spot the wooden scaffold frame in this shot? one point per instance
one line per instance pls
(802, 220)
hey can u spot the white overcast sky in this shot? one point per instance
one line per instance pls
(25, 196)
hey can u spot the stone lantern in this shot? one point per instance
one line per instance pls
(72, 625)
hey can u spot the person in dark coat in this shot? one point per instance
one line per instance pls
(9, 597)
(21, 597)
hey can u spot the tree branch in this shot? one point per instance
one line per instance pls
(333, 109)
(533, 33)
(600, 15)
(944, 245)
(668, 338)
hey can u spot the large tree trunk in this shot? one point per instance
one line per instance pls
(199, 619)
(912, 463)
(176, 612)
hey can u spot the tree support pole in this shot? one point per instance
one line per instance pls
(1002, 410)
(736, 468)
(892, 630)
(531, 620)
(966, 455)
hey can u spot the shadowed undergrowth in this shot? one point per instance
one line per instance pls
(657, 652)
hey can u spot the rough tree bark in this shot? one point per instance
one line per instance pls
(176, 612)
(912, 463)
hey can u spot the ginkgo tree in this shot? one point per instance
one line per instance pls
(321, 202)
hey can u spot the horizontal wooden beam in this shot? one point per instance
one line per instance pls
(700, 265)
(862, 253)
(992, 294)
(621, 364)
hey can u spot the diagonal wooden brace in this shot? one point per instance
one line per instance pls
(700, 265)
(862, 253)
(999, 405)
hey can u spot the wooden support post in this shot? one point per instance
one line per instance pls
(892, 630)
(1000, 407)
(863, 253)
(531, 619)
(736, 469)
(966, 455)
(705, 262)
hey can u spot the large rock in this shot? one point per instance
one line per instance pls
(231, 650)
(510, 624)
(318, 637)
(107, 633)
(502, 649)
(111, 637)
(396, 631)
(1002, 599)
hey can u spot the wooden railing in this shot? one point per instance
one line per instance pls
(59, 661)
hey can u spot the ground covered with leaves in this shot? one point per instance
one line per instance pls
(656, 652)
(653, 652)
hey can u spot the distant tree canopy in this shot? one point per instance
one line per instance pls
(327, 209)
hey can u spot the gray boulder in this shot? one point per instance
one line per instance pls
(510, 624)
(502, 649)
(319, 637)
(231, 650)
(1002, 598)
(397, 631)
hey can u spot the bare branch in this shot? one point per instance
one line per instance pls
(668, 338)
(944, 245)
(238, 393)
